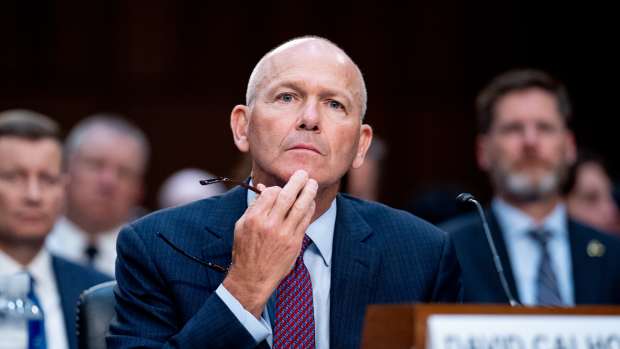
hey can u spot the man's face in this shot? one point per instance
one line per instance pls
(31, 188)
(306, 115)
(105, 179)
(528, 148)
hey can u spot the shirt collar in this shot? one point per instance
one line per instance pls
(515, 222)
(321, 231)
(8, 266)
(40, 267)
(74, 234)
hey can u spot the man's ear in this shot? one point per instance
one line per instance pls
(239, 122)
(482, 152)
(571, 148)
(363, 145)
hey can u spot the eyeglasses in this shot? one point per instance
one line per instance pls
(208, 264)
(232, 181)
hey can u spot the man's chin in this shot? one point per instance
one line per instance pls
(524, 188)
(288, 173)
(32, 235)
(281, 177)
(525, 196)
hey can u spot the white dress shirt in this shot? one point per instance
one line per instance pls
(317, 259)
(47, 292)
(525, 253)
(70, 241)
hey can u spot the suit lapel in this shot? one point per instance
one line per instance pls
(587, 270)
(221, 218)
(220, 224)
(68, 296)
(502, 251)
(354, 263)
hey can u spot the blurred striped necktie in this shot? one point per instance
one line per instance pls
(547, 290)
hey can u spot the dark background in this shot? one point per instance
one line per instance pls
(177, 68)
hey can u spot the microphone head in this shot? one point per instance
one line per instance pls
(465, 197)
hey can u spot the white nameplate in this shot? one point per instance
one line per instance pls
(523, 332)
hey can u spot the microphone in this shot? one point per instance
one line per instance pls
(468, 198)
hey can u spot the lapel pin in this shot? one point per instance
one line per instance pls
(595, 248)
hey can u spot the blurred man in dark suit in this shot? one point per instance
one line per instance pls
(304, 260)
(526, 147)
(106, 159)
(31, 193)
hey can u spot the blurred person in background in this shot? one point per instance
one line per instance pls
(590, 194)
(526, 147)
(106, 160)
(32, 188)
(183, 187)
(363, 182)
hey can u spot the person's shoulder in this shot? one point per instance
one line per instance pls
(592, 233)
(186, 225)
(183, 212)
(462, 224)
(78, 272)
(389, 220)
(191, 214)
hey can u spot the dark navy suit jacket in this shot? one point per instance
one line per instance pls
(165, 299)
(596, 279)
(71, 280)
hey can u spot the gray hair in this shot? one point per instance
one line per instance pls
(255, 77)
(109, 121)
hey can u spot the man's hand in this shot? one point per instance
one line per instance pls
(268, 239)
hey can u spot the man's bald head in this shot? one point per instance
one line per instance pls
(309, 43)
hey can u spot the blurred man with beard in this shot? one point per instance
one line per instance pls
(526, 147)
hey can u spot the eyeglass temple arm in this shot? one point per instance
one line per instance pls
(225, 179)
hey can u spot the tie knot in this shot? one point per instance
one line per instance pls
(304, 244)
(32, 295)
(541, 236)
(31, 280)
(91, 251)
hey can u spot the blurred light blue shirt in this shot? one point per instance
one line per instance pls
(525, 253)
(317, 258)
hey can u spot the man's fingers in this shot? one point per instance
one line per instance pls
(264, 202)
(302, 205)
(260, 187)
(301, 228)
(288, 195)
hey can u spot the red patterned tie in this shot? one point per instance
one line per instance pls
(294, 324)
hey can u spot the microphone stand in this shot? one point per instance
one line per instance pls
(468, 198)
